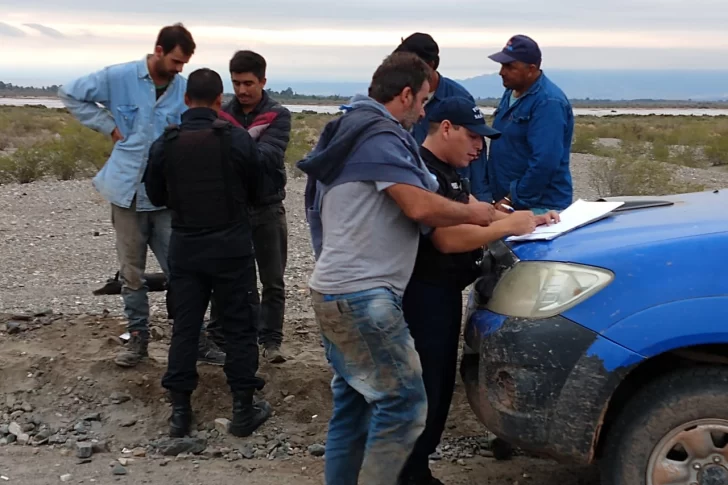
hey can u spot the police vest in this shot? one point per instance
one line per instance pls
(456, 269)
(205, 190)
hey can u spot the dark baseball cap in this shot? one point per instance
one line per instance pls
(422, 45)
(519, 48)
(462, 112)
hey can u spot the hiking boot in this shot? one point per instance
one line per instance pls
(272, 353)
(248, 414)
(209, 352)
(135, 351)
(425, 479)
(181, 419)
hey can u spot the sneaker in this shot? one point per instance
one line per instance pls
(209, 353)
(135, 351)
(272, 353)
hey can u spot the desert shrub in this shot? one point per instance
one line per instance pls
(585, 141)
(74, 152)
(25, 165)
(629, 173)
(716, 150)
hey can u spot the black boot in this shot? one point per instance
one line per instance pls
(181, 419)
(247, 414)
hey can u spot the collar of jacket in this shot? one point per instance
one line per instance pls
(431, 160)
(193, 114)
(535, 87)
(143, 71)
(442, 86)
(258, 107)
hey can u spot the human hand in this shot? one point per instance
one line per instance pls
(504, 205)
(481, 213)
(521, 222)
(116, 135)
(548, 218)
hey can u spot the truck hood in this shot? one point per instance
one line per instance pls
(690, 215)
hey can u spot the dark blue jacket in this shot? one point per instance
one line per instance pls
(475, 172)
(530, 161)
(394, 158)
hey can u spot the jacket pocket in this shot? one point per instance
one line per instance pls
(518, 125)
(126, 118)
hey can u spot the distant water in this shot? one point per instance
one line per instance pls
(298, 108)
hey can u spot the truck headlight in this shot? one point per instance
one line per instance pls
(542, 289)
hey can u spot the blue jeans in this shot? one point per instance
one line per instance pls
(134, 232)
(380, 404)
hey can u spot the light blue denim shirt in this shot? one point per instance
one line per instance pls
(127, 93)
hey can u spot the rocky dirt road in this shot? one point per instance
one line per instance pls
(62, 398)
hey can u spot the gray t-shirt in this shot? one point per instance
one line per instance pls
(368, 241)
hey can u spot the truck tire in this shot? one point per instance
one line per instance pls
(676, 427)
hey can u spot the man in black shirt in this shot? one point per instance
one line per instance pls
(447, 262)
(207, 172)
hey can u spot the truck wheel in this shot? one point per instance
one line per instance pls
(673, 432)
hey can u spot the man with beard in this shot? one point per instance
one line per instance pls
(368, 197)
(139, 99)
(269, 124)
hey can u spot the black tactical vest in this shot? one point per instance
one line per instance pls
(204, 189)
(432, 266)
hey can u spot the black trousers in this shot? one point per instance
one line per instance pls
(433, 314)
(270, 239)
(197, 270)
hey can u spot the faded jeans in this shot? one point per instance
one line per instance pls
(380, 404)
(134, 232)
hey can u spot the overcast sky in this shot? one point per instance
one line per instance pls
(50, 41)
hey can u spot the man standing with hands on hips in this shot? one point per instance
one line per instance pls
(139, 98)
(528, 166)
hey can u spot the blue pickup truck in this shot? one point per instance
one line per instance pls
(609, 344)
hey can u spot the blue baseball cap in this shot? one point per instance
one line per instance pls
(519, 48)
(462, 112)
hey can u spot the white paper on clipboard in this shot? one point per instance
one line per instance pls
(578, 214)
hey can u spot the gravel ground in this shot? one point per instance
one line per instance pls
(57, 243)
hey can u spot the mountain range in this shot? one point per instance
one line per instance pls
(614, 85)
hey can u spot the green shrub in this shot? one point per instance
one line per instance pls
(25, 165)
(716, 150)
(585, 141)
(660, 151)
(627, 174)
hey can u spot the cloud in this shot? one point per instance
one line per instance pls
(50, 32)
(10, 31)
(403, 15)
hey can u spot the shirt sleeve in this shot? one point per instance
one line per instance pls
(80, 97)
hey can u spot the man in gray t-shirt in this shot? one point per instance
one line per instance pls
(369, 195)
(371, 242)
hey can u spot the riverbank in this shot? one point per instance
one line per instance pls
(668, 107)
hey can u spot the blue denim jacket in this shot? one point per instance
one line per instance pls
(530, 161)
(126, 92)
(475, 172)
